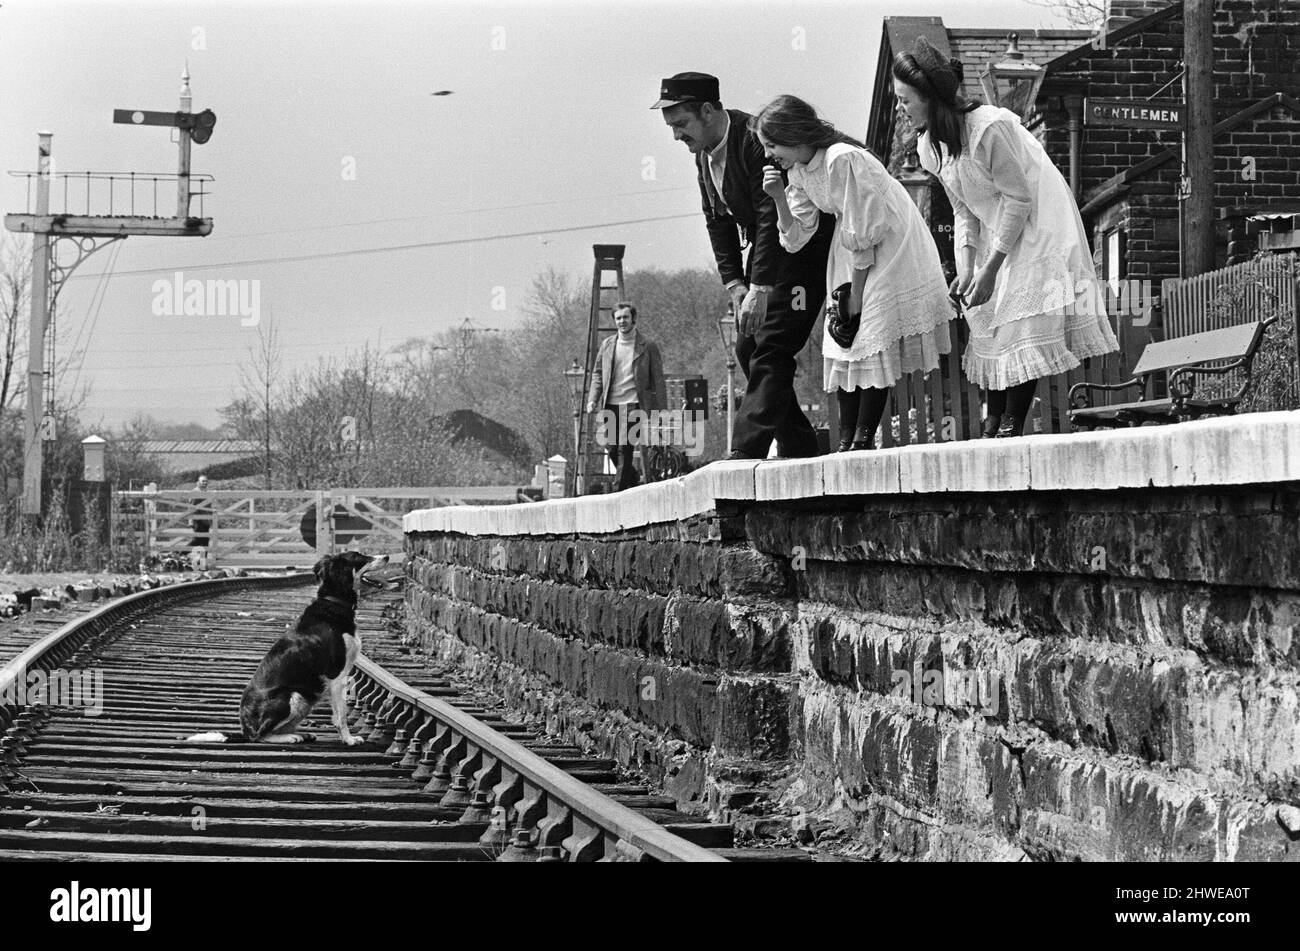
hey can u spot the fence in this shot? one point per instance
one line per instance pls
(948, 405)
(279, 528)
(944, 405)
(1230, 296)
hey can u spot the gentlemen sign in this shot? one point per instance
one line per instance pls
(1134, 113)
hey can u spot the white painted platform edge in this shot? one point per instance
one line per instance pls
(1231, 450)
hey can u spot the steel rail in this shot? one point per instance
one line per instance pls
(495, 777)
(60, 645)
(535, 808)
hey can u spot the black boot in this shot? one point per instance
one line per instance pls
(870, 411)
(1019, 399)
(1010, 427)
(848, 402)
(997, 404)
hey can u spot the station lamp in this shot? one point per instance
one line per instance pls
(1013, 83)
(727, 331)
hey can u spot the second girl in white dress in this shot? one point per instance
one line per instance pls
(882, 249)
(1024, 268)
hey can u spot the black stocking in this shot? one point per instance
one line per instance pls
(869, 414)
(1019, 398)
(997, 405)
(848, 402)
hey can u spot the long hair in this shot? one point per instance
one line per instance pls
(789, 121)
(939, 80)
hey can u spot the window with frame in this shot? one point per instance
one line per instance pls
(1112, 259)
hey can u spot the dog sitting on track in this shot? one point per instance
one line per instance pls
(315, 656)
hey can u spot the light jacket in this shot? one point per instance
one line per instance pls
(647, 372)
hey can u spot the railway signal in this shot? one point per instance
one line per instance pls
(82, 235)
(199, 125)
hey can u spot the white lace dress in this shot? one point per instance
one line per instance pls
(905, 304)
(1046, 313)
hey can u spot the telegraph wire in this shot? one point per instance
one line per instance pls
(78, 349)
(386, 249)
(450, 214)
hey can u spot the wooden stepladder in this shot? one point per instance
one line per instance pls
(605, 295)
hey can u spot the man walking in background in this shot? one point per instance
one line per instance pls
(201, 520)
(627, 380)
(777, 295)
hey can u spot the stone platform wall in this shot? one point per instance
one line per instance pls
(1050, 647)
(664, 649)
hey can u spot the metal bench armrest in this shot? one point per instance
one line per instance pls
(1079, 392)
(1182, 384)
(1210, 371)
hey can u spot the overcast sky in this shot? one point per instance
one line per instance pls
(329, 143)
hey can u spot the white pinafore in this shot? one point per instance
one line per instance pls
(905, 304)
(1047, 312)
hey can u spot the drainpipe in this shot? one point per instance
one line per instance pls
(1074, 105)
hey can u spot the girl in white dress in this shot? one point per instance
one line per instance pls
(1024, 268)
(882, 249)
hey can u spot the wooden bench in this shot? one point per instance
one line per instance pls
(1186, 358)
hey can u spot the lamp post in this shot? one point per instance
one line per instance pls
(1013, 83)
(727, 334)
(573, 377)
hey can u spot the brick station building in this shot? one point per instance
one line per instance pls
(1127, 180)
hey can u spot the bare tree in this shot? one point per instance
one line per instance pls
(128, 464)
(15, 313)
(239, 418)
(15, 305)
(423, 368)
(258, 379)
(553, 334)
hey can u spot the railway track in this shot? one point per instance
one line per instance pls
(439, 778)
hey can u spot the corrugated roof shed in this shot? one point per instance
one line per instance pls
(200, 445)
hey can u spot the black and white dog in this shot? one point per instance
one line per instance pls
(316, 655)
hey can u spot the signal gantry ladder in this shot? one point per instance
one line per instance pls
(590, 464)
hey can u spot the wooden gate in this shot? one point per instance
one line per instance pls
(275, 529)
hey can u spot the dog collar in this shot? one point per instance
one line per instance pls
(346, 604)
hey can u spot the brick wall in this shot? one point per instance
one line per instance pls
(1132, 69)
(1119, 12)
(1256, 54)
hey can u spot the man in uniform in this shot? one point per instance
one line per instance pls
(777, 295)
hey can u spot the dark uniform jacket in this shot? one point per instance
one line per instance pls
(752, 215)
